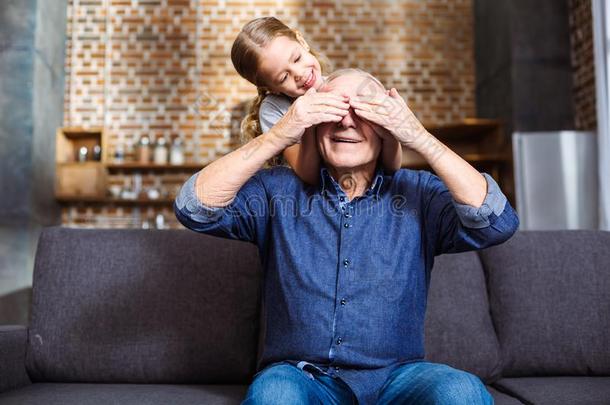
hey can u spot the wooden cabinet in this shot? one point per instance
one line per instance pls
(481, 142)
(80, 176)
(87, 182)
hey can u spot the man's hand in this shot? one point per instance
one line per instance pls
(391, 112)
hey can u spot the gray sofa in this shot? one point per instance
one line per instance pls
(172, 317)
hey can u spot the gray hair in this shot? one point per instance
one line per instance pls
(346, 71)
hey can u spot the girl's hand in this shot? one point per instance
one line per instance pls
(391, 112)
(312, 108)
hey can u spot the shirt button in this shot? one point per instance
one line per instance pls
(341, 199)
(346, 262)
(339, 340)
(343, 301)
(347, 215)
(336, 368)
(346, 225)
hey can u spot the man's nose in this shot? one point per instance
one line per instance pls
(349, 121)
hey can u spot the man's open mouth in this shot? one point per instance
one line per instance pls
(345, 140)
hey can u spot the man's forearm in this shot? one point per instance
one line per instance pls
(466, 184)
(218, 183)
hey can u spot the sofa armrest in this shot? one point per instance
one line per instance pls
(13, 341)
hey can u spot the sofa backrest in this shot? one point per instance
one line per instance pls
(143, 306)
(459, 330)
(549, 295)
(175, 306)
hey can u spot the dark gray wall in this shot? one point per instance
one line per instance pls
(17, 35)
(523, 71)
(32, 50)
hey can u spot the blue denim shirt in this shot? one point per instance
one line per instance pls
(345, 282)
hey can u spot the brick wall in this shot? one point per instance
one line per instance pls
(163, 68)
(581, 37)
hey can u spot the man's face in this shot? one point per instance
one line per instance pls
(351, 142)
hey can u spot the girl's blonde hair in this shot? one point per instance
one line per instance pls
(246, 54)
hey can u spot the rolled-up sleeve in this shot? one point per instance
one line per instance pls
(190, 206)
(495, 200)
(244, 218)
(452, 227)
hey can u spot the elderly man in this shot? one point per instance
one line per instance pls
(347, 262)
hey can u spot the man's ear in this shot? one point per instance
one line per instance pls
(301, 40)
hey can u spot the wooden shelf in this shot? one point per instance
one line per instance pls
(478, 141)
(466, 128)
(134, 166)
(116, 201)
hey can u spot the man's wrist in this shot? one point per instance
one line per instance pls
(277, 139)
(427, 145)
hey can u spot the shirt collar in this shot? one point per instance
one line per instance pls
(329, 185)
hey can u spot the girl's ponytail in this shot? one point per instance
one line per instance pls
(250, 125)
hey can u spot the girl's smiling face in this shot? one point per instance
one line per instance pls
(288, 67)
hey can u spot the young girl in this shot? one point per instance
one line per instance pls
(278, 61)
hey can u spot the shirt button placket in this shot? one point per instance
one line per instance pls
(347, 217)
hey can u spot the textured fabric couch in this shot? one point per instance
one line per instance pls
(172, 317)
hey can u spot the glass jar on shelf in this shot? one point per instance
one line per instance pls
(130, 151)
(177, 152)
(160, 154)
(97, 153)
(143, 151)
(82, 154)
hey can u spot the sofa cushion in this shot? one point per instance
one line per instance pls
(458, 328)
(13, 340)
(500, 398)
(124, 394)
(143, 306)
(560, 390)
(550, 300)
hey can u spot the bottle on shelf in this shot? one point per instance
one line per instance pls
(160, 221)
(97, 153)
(160, 154)
(177, 152)
(130, 151)
(143, 152)
(119, 154)
(82, 154)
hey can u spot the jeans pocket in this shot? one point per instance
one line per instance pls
(310, 370)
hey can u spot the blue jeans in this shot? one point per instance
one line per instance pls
(413, 383)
